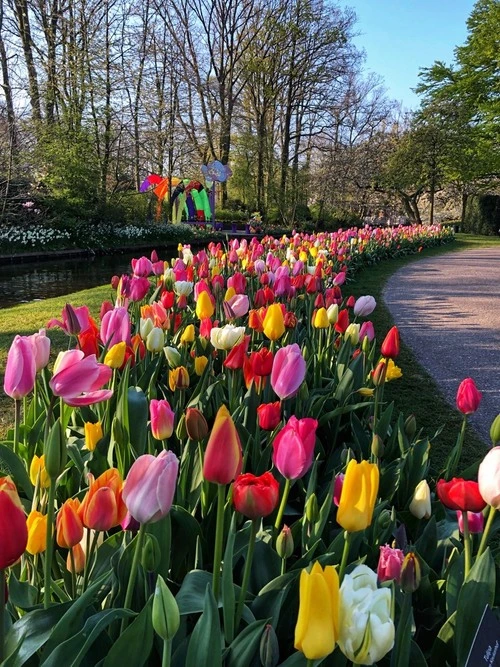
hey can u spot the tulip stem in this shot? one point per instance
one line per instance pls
(219, 535)
(457, 451)
(49, 544)
(133, 572)
(17, 420)
(247, 570)
(2, 611)
(467, 545)
(486, 531)
(167, 653)
(345, 555)
(281, 511)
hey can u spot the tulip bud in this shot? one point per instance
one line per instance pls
(78, 559)
(390, 345)
(410, 573)
(38, 472)
(93, 433)
(37, 532)
(73, 323)
(378, 376)
(115, 356)
(178, 378)
(181, 431)
(495, 431)
(196, 424)
(420, 505)
(377, 446)
(200, 363)
(312, 509)
(188, 334)
(333, 313)
(269, 647)
(151, 555)
(55, 451)
(410, 427)
(155, 340)
(284, 543)
(173, 356)
(145, 327)
(165, 614)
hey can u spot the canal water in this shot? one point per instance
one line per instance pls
(34, 281)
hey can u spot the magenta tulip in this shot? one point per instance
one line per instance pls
(468, 397)
(78, 379)
(162, 419)
(289, 371)
(293, 447)
(149, 489)
(475, 522)
(41, 349)
(367, 331)
(389, 564)
(142, 267)
(20, 370)
(139, 287)
(115, 327)
(73, 320)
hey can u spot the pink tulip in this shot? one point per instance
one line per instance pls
(41, 349)
(142, 267)
(115, 327)
(74, 320)
(78, 379)
(293, 447)
(339, 278)
(289, 371)
(238, 281)
(238, 305)
(20, 371)
(367, 331)
(139, 287)
(337, 488)
(162, 419)
(389, 564)
(149, 489)
(468, 397)
(475, 521)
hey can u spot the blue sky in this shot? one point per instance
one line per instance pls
(401, 36)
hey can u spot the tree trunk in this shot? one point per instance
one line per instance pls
(465, 198)
(25, 35)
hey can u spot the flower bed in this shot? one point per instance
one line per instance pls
(212, 470)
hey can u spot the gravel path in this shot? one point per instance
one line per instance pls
(448, 312)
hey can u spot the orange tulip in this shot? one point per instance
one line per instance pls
(78, 557)
(103, 507)
(69, 525)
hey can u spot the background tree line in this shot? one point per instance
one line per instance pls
(98, 93)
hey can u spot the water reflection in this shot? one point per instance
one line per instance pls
(34, 281)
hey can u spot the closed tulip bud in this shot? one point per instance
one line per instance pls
(293, 447)
(312, 509)
(255, 497)
(151, 554)
(333, 313)
(145, 327)
(495, 431)
(321, 320)
(162, 419)
(78, 559)
(173, 356)
(69, 527)
(410, 573)
(178, 378)
(41, 349)
(223, 455)
(181, 431)
(20, 370)
(420, 505)
(13, 528)
(93, 433)
(155, 340)
(390, 345)
(196, 424)
(37, 532)
(38, 473)
(103, 507)
(269, 648)
(364, 306)
(461, 494)
(337, 488)
(468, 397)
(269, 415)
(274, 322)
(488, 477)
(115, 356)
(475, 521)
(377, 446)
(389, 564)
(55, 451)
(359, 494)
(150, 486)
(200, 363)
(379, 374)
(410, 427)
(317, 628)
(288, 372)
(284, 543)
(352, 333)
(187, 335)
(165, 613)
(366, 392)
(204, 306)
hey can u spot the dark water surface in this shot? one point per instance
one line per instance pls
(35, 281)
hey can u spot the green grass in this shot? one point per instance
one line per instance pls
(416, 392)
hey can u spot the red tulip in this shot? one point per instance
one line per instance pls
(269, 415)
(293, 447)
(13, 528)
(223, 456)
(460, 494)
(88, 340)
(20, 371)
(342, 321)
(69, 525)
(468, 397)
(390, 346)
(236, 357)
(255, 497)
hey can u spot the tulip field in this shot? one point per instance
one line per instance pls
(208, 474)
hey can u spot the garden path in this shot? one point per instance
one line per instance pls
(447, 309)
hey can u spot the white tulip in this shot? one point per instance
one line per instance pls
(145, 327)
(183, 287)
(420, 505)
(225, 338)
(352, 333)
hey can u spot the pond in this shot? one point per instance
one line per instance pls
(34, 281)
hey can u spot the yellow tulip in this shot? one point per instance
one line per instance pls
(393, 372)
(274, 322)
(204, 306)
(200, 364)
(313, 251)
(37, 468)
(230, 292)
(93, 433)
(115, 356)
(37, 532)
(188, 334)
(359, 493)
(321, 319)
(317, 626)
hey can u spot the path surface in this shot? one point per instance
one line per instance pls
(448, 312)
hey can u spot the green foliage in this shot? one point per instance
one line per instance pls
(482, 215)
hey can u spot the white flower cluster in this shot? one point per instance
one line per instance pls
(31, 236)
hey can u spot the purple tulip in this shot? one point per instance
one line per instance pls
(149, 489)
(364, 306)
(20, 371)
(289, 371)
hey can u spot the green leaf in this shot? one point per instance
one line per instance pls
(400, 654)
(135, 644)
(22, 594)
(205, 645)
(443, 652)
(228, 596)
(477, 591)
(454, 580)
(246, 645)
(11, 464)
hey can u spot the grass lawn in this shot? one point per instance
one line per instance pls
(414, 393)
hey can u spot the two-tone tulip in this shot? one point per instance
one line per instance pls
(223, 455)
(103, 507)
(69, 526)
